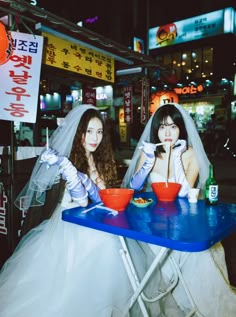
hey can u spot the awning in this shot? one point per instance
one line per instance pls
(32, 15)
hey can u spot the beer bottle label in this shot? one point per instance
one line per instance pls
(213, 193)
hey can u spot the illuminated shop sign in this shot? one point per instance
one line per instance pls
(20, 87)
(195, 28)
(138, 45)
(161, 98)
(77, 58)
(104, 96)
(191, 90)
(128, 104)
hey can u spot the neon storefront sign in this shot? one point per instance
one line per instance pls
(189, 90)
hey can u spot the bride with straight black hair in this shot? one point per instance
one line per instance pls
(205, 272)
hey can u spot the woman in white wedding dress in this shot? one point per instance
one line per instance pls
(205, 272)
(61, 269)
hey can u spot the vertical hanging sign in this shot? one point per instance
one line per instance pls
(3, 210)
(20, 87)
(128, 105)
(144, 101)
(89, 96)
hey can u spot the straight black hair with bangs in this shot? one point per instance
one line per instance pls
(160, 116)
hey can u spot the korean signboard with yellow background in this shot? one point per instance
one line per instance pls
(76, 58)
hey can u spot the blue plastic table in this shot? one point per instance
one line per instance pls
(176, 225)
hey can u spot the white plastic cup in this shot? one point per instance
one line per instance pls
(193, 194)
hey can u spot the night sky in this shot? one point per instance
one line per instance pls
(170, 10)
(107, 14)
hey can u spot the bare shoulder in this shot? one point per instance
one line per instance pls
(189, 153)
(190, 165)
(189, 157)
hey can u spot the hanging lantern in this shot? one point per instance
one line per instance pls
(6, 47)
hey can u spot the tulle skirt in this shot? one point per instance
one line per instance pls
(61, 269)
(205, 275)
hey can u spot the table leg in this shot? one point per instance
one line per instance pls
(195, 309)
(134, 280)
(139, 286)
(132, 275)
(148, 274)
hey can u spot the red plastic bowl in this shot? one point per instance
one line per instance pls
(116, 198)
(166, 193)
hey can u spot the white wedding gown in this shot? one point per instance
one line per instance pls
(65, 270)
(205, 274)
(62, 269)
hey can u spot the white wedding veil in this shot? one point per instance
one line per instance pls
(194, 141)
(43, 178)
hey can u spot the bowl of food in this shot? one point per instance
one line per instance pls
(141, 202)
(116, 198)
(166, 191)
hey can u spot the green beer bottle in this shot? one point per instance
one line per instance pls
(211, 189)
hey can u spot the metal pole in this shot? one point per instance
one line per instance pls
(147, 25)
(146, 69)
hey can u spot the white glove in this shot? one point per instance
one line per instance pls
(149, 149)
(179, 148)
(51, 157)
(139, 178)
(69, 173)
(92, 189)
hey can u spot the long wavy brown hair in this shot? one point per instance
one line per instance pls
(103, 156)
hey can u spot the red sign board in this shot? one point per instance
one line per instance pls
(128, 105)
(89, 96)
(144, 101)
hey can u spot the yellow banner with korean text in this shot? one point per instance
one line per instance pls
(76, 58)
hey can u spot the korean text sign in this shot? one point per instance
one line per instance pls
(20, 79)
(128, 105)
(194, 28)
(76, 58)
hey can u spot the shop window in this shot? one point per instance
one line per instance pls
(191, 64)
(196, 63)
(207, 62)
(167, 59)
(186, 65)
(176, 62)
